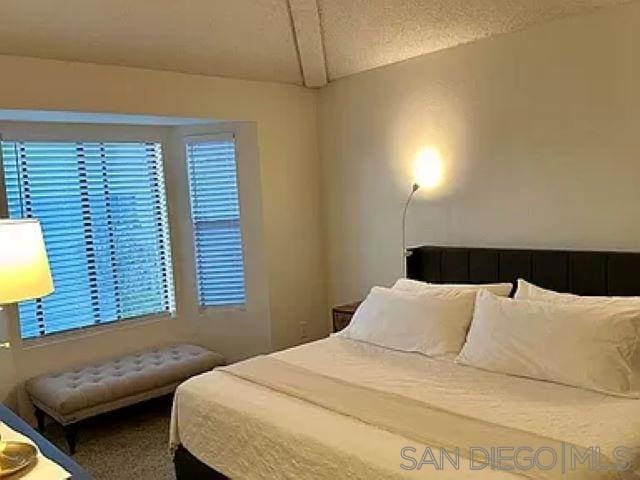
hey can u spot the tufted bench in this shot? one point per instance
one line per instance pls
(74, 395)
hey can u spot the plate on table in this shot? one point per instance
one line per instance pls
(14, 456)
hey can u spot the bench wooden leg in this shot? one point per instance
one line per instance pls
(40, 417)
(71, 434)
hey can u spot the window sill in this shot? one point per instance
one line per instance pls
(91, 331)
(204, 311)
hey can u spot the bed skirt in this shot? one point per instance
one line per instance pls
(189, 467)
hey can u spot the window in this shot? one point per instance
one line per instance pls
(215, 214)
(103, 212)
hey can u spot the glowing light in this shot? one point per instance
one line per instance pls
(428, 169)
(24, 267)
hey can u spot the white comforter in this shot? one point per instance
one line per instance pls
(248, 431)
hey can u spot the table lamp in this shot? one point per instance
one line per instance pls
(24, 275)
(24, 266)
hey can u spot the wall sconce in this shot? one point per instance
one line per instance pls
(429, 174)
(405, 252)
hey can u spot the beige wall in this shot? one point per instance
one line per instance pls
(539, 131)
(287, 149)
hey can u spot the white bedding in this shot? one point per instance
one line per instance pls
(248, 431)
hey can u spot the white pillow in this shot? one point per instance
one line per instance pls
(529, 291)
(586, 346)
(408, 285)
(432, 323)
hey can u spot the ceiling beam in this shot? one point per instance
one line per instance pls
(305, 20)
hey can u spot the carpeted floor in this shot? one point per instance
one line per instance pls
(130, 444)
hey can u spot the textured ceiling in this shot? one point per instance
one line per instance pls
(364, 34)
(291, 41)
(250, 39)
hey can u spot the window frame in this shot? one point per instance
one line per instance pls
(64, 132)
(204, 137)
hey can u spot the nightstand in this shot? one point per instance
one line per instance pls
(342, 315)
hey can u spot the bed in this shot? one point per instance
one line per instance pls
(225, 424)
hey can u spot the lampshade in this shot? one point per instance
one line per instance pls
(24, 267)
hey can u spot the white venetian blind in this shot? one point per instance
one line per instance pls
(103, 212)
(215, 214)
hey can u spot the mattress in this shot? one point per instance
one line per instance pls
(245, 430)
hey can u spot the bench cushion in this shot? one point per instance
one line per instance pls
(87, 387)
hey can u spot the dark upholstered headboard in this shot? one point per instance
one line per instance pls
(580, 272)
